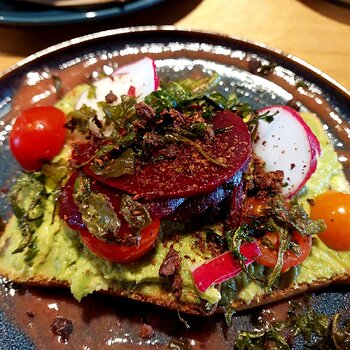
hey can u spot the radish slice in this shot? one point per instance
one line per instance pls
(288, 144)
(223, 267)
(136, 79)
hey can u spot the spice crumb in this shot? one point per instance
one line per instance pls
(62, 327)
(146, 331)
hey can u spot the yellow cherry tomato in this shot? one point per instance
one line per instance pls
(334, 208)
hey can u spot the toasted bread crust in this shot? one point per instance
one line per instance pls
(167, 300)
(290, 292)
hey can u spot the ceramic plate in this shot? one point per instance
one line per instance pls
(17, 13)
(104, 322)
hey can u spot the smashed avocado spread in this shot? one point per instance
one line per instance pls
(53, 250)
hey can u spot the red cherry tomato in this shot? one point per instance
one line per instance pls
(37, 136)
(334, 208)
(268, 255)
(122, 253)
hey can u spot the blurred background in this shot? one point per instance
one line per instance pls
(316, 31)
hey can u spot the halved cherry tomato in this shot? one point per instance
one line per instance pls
(122, 253)
(269, 254)
(37, 136)
(334, 208)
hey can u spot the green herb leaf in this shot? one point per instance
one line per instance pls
(80, 119)
(136, 214)
(181, 93)
(179, 138)
(340, 336)
(252, 120)
(123, 165)
(198, 87)
(27, 198)
(301, 321)
(160, 100)
(97, 212)
(196, 130)
(295, 218)
(284, 240)
(121, 115)
(235, 238)
(31, 252)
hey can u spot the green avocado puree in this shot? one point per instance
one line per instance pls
(62, 256)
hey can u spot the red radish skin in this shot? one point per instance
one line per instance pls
(136, 79)
(223, 267)
(288, 144)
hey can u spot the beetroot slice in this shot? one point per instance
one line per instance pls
(70, 213)
(190, 174)
(200, 204)
(234, 217)
(162, 207)
(68, 210)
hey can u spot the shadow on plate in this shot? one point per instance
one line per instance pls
(331, 9)
(27, 40)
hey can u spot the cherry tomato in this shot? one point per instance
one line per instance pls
(122, 253)
(37, 136)
(268, 255)
(334, 208)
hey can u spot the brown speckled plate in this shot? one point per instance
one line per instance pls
(102, 322)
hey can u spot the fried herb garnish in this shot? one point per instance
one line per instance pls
(277, 217)
(179, 344)
(295, 218)
(136, 214)
(318, 331)
(27, 198)
(177, 112)
(284, 240)
(180, 94)
(199, 149)
(122, 114)
(340, 334)
(261, 340)
(235, 238)
(123, 165)
(80, 119)
(252, 120)
(32, 251)
(97, 211)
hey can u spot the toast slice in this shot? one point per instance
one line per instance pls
(252, 295)
(62, 260)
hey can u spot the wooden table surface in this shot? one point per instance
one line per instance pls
(316, 31)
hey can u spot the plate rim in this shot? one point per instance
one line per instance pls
(66, 16)
(106, 34)
(175, 29)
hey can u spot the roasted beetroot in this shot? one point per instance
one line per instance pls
(189, 173)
